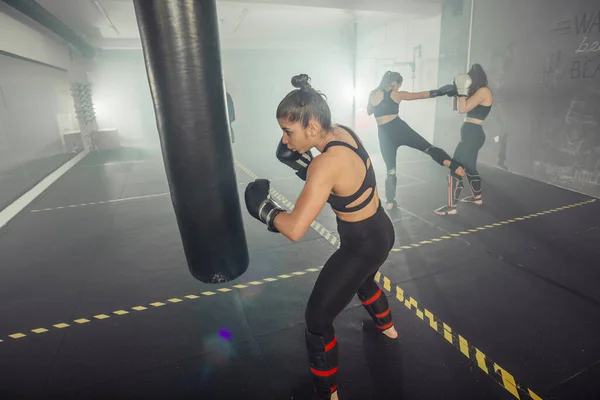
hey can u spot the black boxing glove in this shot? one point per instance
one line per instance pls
(260, 205)
(446, 90)
(297, 161)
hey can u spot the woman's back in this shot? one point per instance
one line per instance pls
(354, 179)
(385, 105)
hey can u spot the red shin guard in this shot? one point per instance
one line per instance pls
(323, 358)
(378, 308)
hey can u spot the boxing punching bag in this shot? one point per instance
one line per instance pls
(180, 40)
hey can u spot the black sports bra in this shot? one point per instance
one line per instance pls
(479, 112)
(340, 203)
(387, 106)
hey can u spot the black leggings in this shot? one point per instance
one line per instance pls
(472, 138)
(365, 246)
(398, 133)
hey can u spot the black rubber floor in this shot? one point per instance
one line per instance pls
(498, 302)
(18, 180)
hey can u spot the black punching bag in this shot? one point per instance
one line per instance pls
(180, 39)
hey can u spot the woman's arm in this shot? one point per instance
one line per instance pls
(412, 96)
(369, 105)
(466, 104)
(319, 183)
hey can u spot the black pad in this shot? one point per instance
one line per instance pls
(378, 308)
(474, 184)
(455, 186)
(181, 47)
(323, 358)
(438, 155)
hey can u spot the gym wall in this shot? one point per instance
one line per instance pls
(122, 98)
(258, 76)
(23, 37)
(36, 106)
(542, 58)
(391, 45)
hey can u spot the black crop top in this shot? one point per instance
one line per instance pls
(479, 112)
(340, 203)
(387, 106)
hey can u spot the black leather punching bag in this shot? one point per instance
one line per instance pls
(180, 39)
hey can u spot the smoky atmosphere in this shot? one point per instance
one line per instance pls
(300, 200)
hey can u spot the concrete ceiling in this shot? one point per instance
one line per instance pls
(111, 24)
(416, 8)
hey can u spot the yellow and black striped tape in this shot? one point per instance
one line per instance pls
(100, 202)
(478, 357)
(334, 240)
(492, 225)
(155, 304)
(500, 375)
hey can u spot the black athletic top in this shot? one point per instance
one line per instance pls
(387, 106)
(479, 112)
(339, 203)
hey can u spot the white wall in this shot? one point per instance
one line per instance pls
(382, 46)
(259, 79)
(122, 97)
(426, 33)
(36, 108)
(25, 38)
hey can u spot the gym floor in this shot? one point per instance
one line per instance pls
(498, 302)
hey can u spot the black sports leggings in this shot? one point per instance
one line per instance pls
(398, 133)
(365, 246)
(472, 138)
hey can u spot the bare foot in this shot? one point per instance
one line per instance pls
(391, 333)
(334, 396)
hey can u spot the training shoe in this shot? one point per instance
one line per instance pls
(473, 200)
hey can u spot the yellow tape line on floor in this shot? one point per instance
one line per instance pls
(499, 374)
(478, 357)
(153, 305)
(332, 238)
(492, 225)
(101, 202)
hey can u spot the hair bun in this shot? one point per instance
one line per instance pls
(301, 81)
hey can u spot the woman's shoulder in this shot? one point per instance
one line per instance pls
(485, 90)
(324, 164)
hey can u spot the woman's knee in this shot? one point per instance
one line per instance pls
(316, 320)
(471, 167)
(470, 162)
(389, 159)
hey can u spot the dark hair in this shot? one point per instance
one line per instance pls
(478, 78)
(305, 103)
(388, 78)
